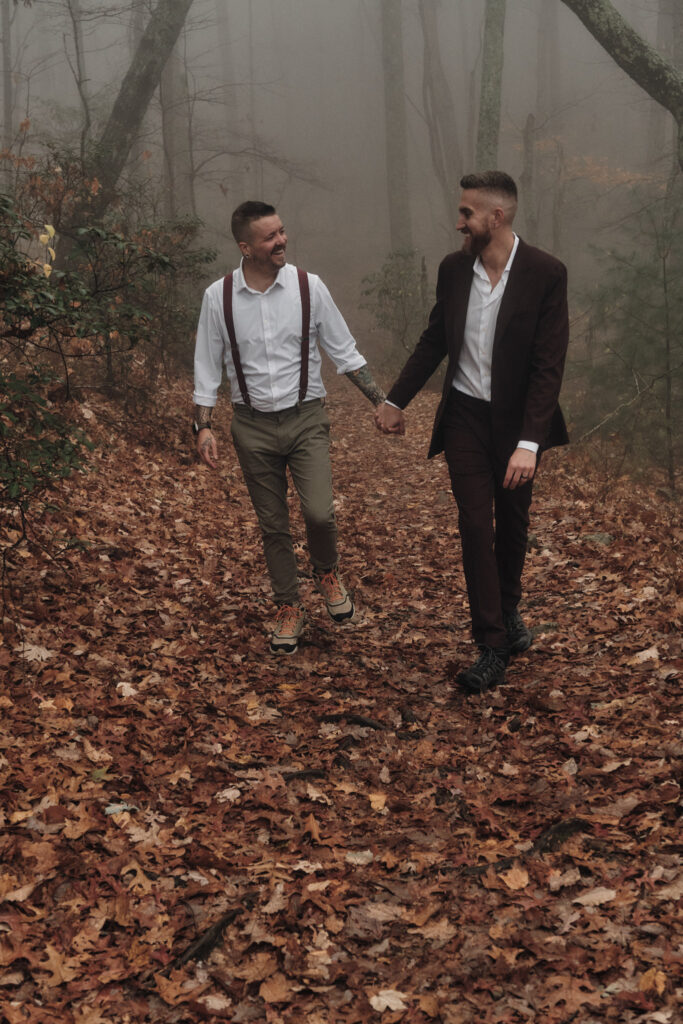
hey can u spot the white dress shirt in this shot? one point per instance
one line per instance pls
(268, 332)
(473, 375)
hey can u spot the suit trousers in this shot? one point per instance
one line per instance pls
(267, 444)
(493, 520)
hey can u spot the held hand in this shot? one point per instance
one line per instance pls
(520, 468)
(206, 448)
(390, 420)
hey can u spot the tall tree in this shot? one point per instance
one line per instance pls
(137, 88)
(79, 71)
(491, 85)
(658, 77)
(7, 90)
(176, 123)
(440, 115)
(395, 127)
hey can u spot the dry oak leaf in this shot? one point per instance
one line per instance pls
(429, 1004)
(15, 895)
(653, 981)
(651, 654)
(277, 902)
(312, 828)
(178, 988)
(258, 968)
(61, 972)
(516, 878)
(674, 891)
(573, 992)
(359, 857)
(389, 999)
(33, 652)
(377, 801)
(441, 931)
(596, 897)
(276, 989)
(94, 755)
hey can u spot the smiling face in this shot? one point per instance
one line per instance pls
(265, 244)
(478, 215)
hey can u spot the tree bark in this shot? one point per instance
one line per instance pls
(440, 116)
(7, 90)
(395, 127)
(491, 86)
(179, 199)
(79, 71)
(137, 89)
(635, 56)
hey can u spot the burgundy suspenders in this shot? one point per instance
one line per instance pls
(305, 322)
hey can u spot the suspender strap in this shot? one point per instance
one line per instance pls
(230, 324)
(305, 328)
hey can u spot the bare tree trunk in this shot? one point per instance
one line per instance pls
(176, 119)
(527, 181)
(137, 89)
(440, 115)
(236, 182)
(7, 89)
(641, 62)
(116, 141)
(491, 85)
(395, 127)
(657, 141)
(79, 71)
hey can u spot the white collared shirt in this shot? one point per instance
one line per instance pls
(268, 332)
(473, 375)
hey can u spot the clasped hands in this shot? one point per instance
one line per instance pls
(389, 419)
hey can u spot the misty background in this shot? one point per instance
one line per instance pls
(356, 119)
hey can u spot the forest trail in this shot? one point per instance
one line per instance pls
(349, 837)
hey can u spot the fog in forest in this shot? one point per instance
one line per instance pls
(356, 119)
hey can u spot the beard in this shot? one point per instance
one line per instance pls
(474, 245)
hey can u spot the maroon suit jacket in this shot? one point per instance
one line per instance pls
(529, 348)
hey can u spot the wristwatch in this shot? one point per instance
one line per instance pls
(196, 427)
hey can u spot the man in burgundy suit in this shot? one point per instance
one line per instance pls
(501, 320)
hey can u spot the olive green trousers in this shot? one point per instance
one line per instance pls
(267, 444)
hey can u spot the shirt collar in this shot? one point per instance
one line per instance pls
(479, 266)
(243, 286)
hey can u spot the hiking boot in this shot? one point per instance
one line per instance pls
(338, 600)
(487, 672)
(289, 625)
(519, 638)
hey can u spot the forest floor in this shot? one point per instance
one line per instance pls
(192, 829)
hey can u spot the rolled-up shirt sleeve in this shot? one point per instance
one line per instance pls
(333, 332)
(208, 353)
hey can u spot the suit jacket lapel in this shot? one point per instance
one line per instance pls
(461, 295)
(514, 291)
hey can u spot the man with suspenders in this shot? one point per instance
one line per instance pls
(263, 323)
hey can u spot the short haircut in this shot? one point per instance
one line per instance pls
(491, 181)
(245, 214)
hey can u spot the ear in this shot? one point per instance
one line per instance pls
(498, 214)
(244, 249)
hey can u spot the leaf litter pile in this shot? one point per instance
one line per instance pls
(195, 830)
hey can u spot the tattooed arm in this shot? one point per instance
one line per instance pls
(363, 380)
(206, 442)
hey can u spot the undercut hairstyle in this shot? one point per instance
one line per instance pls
(491, 181)
(245, 214)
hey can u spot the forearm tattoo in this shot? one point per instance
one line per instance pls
(202, 414)
(362, 378)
